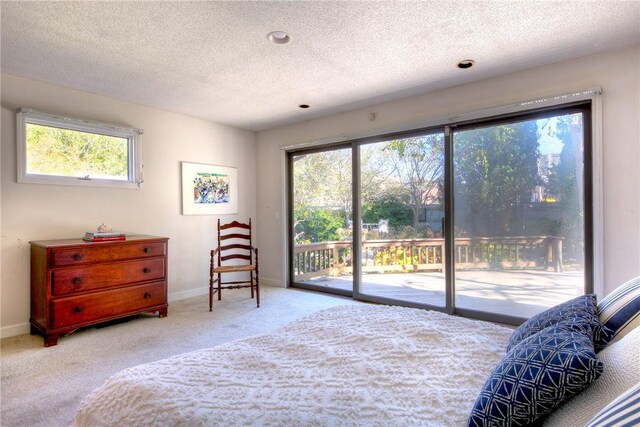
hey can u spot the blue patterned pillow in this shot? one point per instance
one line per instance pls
(579, 314)
(623, 411)
(535, 377)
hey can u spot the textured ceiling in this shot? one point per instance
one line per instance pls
(212, 59)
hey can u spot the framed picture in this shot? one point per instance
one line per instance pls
(209, 189)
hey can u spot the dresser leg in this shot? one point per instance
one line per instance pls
(163, 312)
(51, 340)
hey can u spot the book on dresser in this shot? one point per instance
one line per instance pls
(75, 283)
(103, 236)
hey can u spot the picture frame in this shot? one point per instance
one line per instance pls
(209, 189)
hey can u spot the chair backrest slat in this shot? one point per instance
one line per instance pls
(230, 251)
(235, 256)
(235, 246)
(235, 224)
(234, 236)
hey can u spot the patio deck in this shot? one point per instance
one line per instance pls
(521, 293)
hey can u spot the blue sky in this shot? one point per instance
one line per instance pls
(548, 144)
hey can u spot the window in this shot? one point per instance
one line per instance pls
(489, 216)
(53, 149)
(520, 186)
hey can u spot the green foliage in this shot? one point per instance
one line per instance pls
(56, 151)
(393, 207)
(544, 226)
(410, 232)
(398, 180)
(495, 169)
(323, 180)
(317, 225)
(565, 181)
(395, 255)
(420, 170)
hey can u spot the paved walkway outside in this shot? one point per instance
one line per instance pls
(517, 293)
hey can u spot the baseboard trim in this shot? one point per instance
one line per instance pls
(13, 330)
(271, 282)
(176, 296)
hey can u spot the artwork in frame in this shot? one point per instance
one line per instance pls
(209, 189)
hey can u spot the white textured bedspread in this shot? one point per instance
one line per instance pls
(363, 365)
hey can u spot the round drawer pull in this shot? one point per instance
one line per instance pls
(77, 280)
(78, 257)
(147, 295)
(148, 250)
(146, 270)
(77, 310)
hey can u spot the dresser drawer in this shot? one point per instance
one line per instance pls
(107, 275)
(106, 251)
(105, 304)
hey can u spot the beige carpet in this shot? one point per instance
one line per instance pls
(43, 386)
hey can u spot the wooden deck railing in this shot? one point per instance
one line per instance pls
(413, 255)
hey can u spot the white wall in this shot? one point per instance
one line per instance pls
(617, 72)
(36, 212)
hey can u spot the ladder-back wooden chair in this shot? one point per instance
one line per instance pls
(235, 254)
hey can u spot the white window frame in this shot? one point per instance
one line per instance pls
(132, 135)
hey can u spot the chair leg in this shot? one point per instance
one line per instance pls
(219, 286)
(251, 279)
(211, 292)
(257, 290)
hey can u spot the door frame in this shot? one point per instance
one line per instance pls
(587, 102)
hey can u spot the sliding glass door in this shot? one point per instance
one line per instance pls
(489, 218)
(519, 197)
(402, 211)
(322, 226)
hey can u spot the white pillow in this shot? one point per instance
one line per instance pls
(624, 411)
(620, 310)
(621, 371)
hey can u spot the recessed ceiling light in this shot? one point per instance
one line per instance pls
(467, 63)
(303, 106)
(279, 37)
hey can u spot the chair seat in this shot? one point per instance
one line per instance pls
(232, 268)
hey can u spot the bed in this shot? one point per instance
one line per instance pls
(377, 365)
(370, 365)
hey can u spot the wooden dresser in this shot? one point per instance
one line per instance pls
(76, 283)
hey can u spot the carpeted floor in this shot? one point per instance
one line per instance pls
(43, 386)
